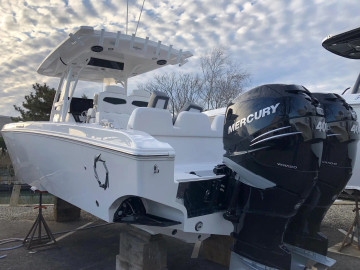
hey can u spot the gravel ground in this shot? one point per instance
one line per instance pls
(82, 248)
(29, 213)
(339, 217)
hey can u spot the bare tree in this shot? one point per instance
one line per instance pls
(180, 87)
(219, 82)
(223, 80)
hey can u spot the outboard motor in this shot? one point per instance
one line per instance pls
(338, 160)
(274, 151)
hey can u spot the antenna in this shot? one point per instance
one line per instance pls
(139, 17)
(127, 15)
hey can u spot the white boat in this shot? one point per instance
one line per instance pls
(354, 182)
(97, 153)
(346, 45)
(124, 158)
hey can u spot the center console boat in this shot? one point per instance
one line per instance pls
(246, 171)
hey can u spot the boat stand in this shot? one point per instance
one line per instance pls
(354, 228)
(31, 241)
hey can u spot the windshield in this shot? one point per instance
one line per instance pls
(86, 89)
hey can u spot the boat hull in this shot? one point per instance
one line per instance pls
(76, 168)
(65, 168)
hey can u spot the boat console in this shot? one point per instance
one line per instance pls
(113, 107)
(79, 108)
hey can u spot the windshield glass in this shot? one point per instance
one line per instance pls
(86, 89)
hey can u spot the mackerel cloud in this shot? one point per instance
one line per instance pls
(275, 41)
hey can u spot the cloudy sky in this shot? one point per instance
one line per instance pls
(276, 41)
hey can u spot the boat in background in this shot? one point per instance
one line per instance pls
(347, 44)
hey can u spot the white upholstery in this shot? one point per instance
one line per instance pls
(115, 89)
(138, 95)
(103, 106)
(159, 122)
(195, 140)
(192, 137)
(217, 125)
(193, 124)
(152, 121)
(117, 114)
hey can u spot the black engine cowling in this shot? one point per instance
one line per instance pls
(338, 159)
(273, 146)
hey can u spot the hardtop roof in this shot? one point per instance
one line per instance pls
(345, 44)
(98, 55)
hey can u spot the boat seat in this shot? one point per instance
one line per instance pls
(158, 122)
(196, 140)
(192, 136)
(193, 124)
(112, 100)
(189, 107)
(153, 121)
(158, 100)
(217, 125)
(139, 98)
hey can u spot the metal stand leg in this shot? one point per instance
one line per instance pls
(39, 241)
(354, 228)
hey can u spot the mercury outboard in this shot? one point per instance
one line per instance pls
(338, 159)
(273, 148)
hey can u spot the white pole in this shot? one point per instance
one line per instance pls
(56, 97)
(66, 95)
(125, 84)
